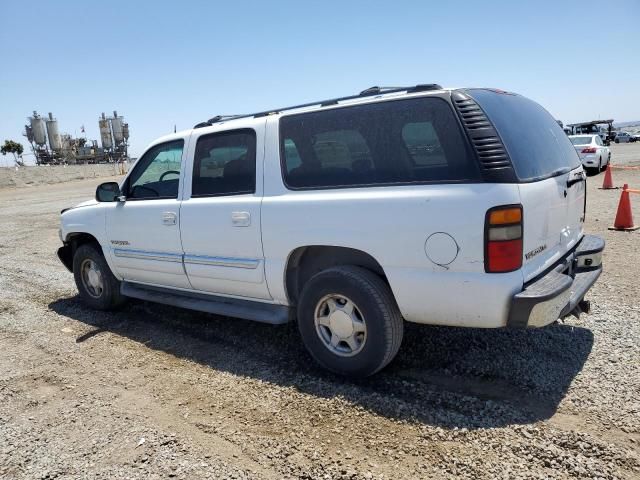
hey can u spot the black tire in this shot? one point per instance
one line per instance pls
(374, 299)
(109, 297)
(599, 164)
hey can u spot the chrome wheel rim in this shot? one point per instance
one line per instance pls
(91, 278)
(340, 325)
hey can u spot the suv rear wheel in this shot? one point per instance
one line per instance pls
(349, 321)
(97, 286)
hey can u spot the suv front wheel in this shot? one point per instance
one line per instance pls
(349, 321)
(97, 286)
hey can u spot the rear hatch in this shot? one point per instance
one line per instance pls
(550, 177)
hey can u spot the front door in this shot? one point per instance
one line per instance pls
(220, 213)
(144, 230)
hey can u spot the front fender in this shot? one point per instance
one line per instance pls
(88, 217)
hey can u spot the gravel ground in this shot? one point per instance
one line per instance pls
(157, 392)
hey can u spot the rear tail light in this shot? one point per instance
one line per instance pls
(503, 239)
(589, 150)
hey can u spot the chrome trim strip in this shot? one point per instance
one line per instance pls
(144, 255)
(249, 263)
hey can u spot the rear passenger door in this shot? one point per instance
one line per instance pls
(220, 213)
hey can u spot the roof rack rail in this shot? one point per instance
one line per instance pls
(323, 103)
(218, 118)
(416, 88)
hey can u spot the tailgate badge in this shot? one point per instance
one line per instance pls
(535, 251)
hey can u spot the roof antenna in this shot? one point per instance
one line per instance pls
(174, 128)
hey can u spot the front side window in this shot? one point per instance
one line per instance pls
(394, 142)
(157, 174)
(225, 164)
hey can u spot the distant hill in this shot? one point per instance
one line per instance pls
(635, 123)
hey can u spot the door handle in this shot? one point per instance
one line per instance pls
(169, 218)
(240, 219)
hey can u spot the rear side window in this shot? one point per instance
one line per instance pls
(225, 164)
(537, 145)
(394, 142)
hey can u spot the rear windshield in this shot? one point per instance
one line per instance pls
(394, 142)
(580, 140)
(537, 145)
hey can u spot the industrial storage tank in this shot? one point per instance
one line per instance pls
(125, 131)
(28, 132)
(38, 128)
(54, 134)
(105, 132)
(116, 127)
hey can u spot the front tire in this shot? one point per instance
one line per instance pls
(97, 286)
(349, 321)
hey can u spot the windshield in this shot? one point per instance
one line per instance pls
(537, 145)
(580, 140)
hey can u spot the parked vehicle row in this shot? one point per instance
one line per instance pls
(624, 137)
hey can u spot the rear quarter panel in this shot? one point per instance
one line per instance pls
(392, 224)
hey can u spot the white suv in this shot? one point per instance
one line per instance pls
(460, 207)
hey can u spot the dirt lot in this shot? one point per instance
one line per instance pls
(156, 392)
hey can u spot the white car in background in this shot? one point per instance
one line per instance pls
(623, 137)
(593, 154)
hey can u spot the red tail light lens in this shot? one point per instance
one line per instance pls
(503, 239)
(589, 150)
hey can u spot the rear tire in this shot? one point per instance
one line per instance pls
(97, 286)
(349, 321)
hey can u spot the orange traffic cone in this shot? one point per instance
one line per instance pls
(624, 218)
(608, 180)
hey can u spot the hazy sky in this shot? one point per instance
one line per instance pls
(162, 63)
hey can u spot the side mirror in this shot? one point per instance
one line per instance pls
(108, 192)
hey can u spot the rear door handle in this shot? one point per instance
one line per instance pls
(240, 219)
(169, 218)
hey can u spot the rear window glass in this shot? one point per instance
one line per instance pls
(402, 141)
(537, 145)
(580, 140)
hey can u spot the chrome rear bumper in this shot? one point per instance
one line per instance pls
(558, 292)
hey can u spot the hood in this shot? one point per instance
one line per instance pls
(88, 203)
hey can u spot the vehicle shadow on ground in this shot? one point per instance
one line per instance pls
(449, 377)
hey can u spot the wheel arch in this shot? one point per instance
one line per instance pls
(305, 261)
(71, 243)
(75, 239)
